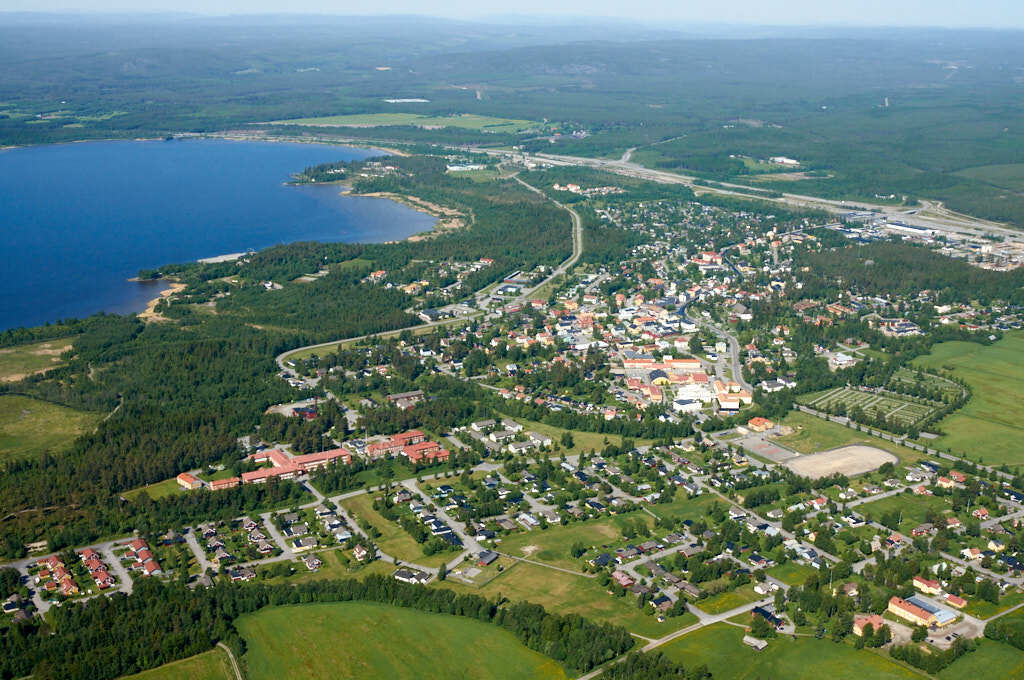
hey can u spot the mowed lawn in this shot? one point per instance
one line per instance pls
(812, 435)
(211, 665)
(720, 647)
(29, 427)
(914, 508)
(565, 593)
(367, 640)
(991, 660)
(553, 545)
(991, 424)
(791, 573)
(730, 599)
(22, 360)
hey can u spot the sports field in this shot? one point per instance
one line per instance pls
(991, 424)
(720, 647)
(467, 121)
(211, 665)
(29, 427)
(905, 411)
(366, 640)
(849, 460)
(812, 434)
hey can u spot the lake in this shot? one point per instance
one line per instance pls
(78, 220)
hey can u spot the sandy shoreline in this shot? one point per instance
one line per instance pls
(448, 219)
(150, 314)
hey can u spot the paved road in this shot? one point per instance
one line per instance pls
(197, 550)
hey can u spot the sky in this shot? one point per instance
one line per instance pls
(947, 13)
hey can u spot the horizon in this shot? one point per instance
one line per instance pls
(998, 15)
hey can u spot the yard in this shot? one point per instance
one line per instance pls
(211, 665)
(992, 422)
(791, 573)
(720, 647)
(723, 602)
(29, 427)
(367, 640)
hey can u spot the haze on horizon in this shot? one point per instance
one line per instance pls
(939, 13)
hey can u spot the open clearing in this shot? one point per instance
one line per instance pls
(991, 660)
(553, 545)
(30, 427)
(720, 647)
(24, 360)
(565, 593)
(813, 435)
(467, 121)
(848, 460)
(367, 640)
(211, 665)
(991, 424)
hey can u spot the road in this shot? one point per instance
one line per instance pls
(577, 251)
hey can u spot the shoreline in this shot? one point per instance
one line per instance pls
(448, 219)
(150, 313)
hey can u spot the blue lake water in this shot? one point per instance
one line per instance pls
(78, 220)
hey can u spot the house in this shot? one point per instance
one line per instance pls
(860, 622)
(953, 523)
(754, 642)
(413, 576)
(971, 553)
(486, 557)
(927, 585)
(360, 553)
(312, 562)
(980, 513)
(228, 483)
(956, 601)
(851, 589)
(768, 616)
(760, 424)
(622, 578)
(188, 481)
(242, 574)
(304, 543)
(602, 560)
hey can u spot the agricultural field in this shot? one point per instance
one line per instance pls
(211, 665)
(720, 647)
(368, 640)
(570, 594)
(24, 360)
(467, 121)
(904, 410)
(991, 424)
(812, 434)
(30, 427)
(553, 544)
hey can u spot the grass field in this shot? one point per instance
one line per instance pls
(466, 121)
(582, 441)
(991, 424)
(364, 640)
(29, 427)
(211, 665)
(914, 508)
(555, 542)
(566, 593)
(991, 660)
(723, 602)
(720, 647)
(22, 360)
(981, 609)
(891, 406)
(168, 487)
(813, 434)
(393, 539)
(791, 573)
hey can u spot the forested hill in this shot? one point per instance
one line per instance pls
(904, 269)
(190, 385)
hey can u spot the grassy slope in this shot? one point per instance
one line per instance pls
(364, 640)
(720, 647)
(29, 427)
(211, 665)
(992, 422)
(17, 362)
